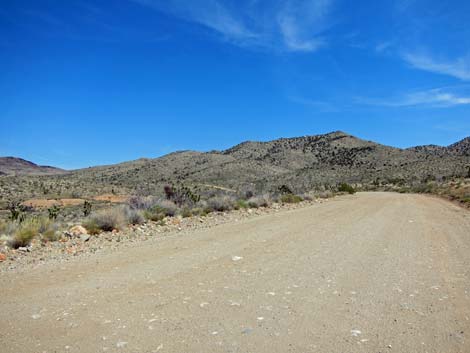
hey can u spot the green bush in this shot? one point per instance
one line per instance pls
(290, 198)
(345, 187)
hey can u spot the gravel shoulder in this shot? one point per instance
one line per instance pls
(373, 272)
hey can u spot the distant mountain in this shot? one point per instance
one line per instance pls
(301, 163)
(18, 166)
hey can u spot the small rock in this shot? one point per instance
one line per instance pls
(24, 249)
(85, 237)
(3, 257)
(121, 344)
(355, 333)
(77, 231)
(236, 258)
(35, 316)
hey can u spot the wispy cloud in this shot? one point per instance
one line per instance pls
(287, 25)
(383, 46)
(301, 22)
(459, 68)
(434, 98)
(209, 13)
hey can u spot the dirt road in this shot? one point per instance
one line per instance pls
(373, 272)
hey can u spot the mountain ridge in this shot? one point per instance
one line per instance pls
(18, 166)
(303, 163)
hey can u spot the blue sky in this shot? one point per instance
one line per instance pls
(86, 82)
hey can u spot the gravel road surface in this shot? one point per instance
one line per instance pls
(372, 272)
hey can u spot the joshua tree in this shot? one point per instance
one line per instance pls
(86, 208)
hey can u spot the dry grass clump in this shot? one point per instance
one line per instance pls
(22, 233)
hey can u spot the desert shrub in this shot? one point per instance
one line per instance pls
(290, 198)
(422, 188)
(307, 197)
(159, 209)
(260, 201)
(133, 216)
(345, 187)
(3, 226)
(284, 189)
(51, 235)
(220, 204)
(240, 204)
(325, 194)
(200, 211)
(91, 226)
(153, 215)
(168, 208)
(141, 203)
(105, 220)
(249, 194)
(43, 223)
(186, 212)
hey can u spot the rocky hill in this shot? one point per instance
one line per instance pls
(302, 163)
(18, 166)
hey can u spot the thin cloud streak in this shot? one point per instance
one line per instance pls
(435, 98)
(286, 25)
(460, 68)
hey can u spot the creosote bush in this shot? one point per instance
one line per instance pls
(345, 187)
